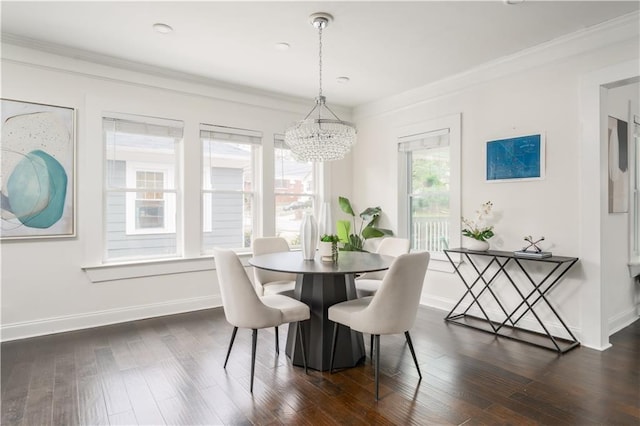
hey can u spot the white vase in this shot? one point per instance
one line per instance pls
(324, 220)
(324, 248)
(308, 236)
(474, 245)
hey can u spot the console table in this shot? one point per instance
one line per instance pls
(479, 289)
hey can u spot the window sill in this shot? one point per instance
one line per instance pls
(151, 268)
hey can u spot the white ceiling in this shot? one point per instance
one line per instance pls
(385, 48)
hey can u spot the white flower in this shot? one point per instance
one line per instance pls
(476, 229)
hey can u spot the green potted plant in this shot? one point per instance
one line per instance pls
(477, 232)
(353, 239)
(328, 248)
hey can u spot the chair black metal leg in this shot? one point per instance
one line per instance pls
(371, 348)
(277, 342)
(254, 341)
(333, 346)
(233, 337)
(304, 356)
(413, 353)
(376, 339)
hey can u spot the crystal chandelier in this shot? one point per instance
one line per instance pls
(317, 138)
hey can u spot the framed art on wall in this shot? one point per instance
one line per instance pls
(618, 176)
(517, 158)
(38, 170)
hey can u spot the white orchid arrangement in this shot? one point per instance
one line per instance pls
(477, 229)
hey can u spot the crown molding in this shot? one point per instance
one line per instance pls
(51, 56)
(624, 28)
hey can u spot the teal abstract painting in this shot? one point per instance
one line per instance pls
(38, 164)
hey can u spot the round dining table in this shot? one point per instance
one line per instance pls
(321, 284)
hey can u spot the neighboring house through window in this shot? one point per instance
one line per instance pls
(229, 211)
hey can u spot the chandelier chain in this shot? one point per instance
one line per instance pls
(320, 57)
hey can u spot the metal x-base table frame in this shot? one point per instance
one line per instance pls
(508, 327)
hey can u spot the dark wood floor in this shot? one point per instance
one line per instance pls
(169, 371)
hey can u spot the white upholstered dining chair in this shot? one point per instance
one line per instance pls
(270, 282)
(243, 308)
(392, 310)
(368, 283)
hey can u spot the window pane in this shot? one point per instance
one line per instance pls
(294, 187)
(149, 217)
(125, 148)
(235, 158)
(429, 198)
(149, 214)
(141, 199)
(289, 212)
(228, 185)
(228, 220)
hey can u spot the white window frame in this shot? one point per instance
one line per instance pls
(452, 125)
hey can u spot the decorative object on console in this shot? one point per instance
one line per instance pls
(474, 245)
(532, 250)
(320, 139)
(477, 232)
(308, 236)
(354, 241)
(328, 248)
(519, 158)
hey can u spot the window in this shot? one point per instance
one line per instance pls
(141, 191)
(430, 185)
(294, 191)
(150, 203)
(229, 210)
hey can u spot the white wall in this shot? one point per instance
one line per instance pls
(44, 286)
(534, 91)
(620, 289)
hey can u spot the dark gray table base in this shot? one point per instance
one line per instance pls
(320, 291)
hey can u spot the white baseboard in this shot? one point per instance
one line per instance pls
(61, 324)
(437, 303)
(622, 319)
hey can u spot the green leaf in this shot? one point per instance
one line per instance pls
(373, 232)
(343, 227)
(370, 212)
(369, 232)
(372, 223)
(345, 205)
(356, 242)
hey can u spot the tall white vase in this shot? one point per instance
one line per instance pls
(324, 220)
(308, 236)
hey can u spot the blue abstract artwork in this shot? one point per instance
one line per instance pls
(515, 158)
(38, 158)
